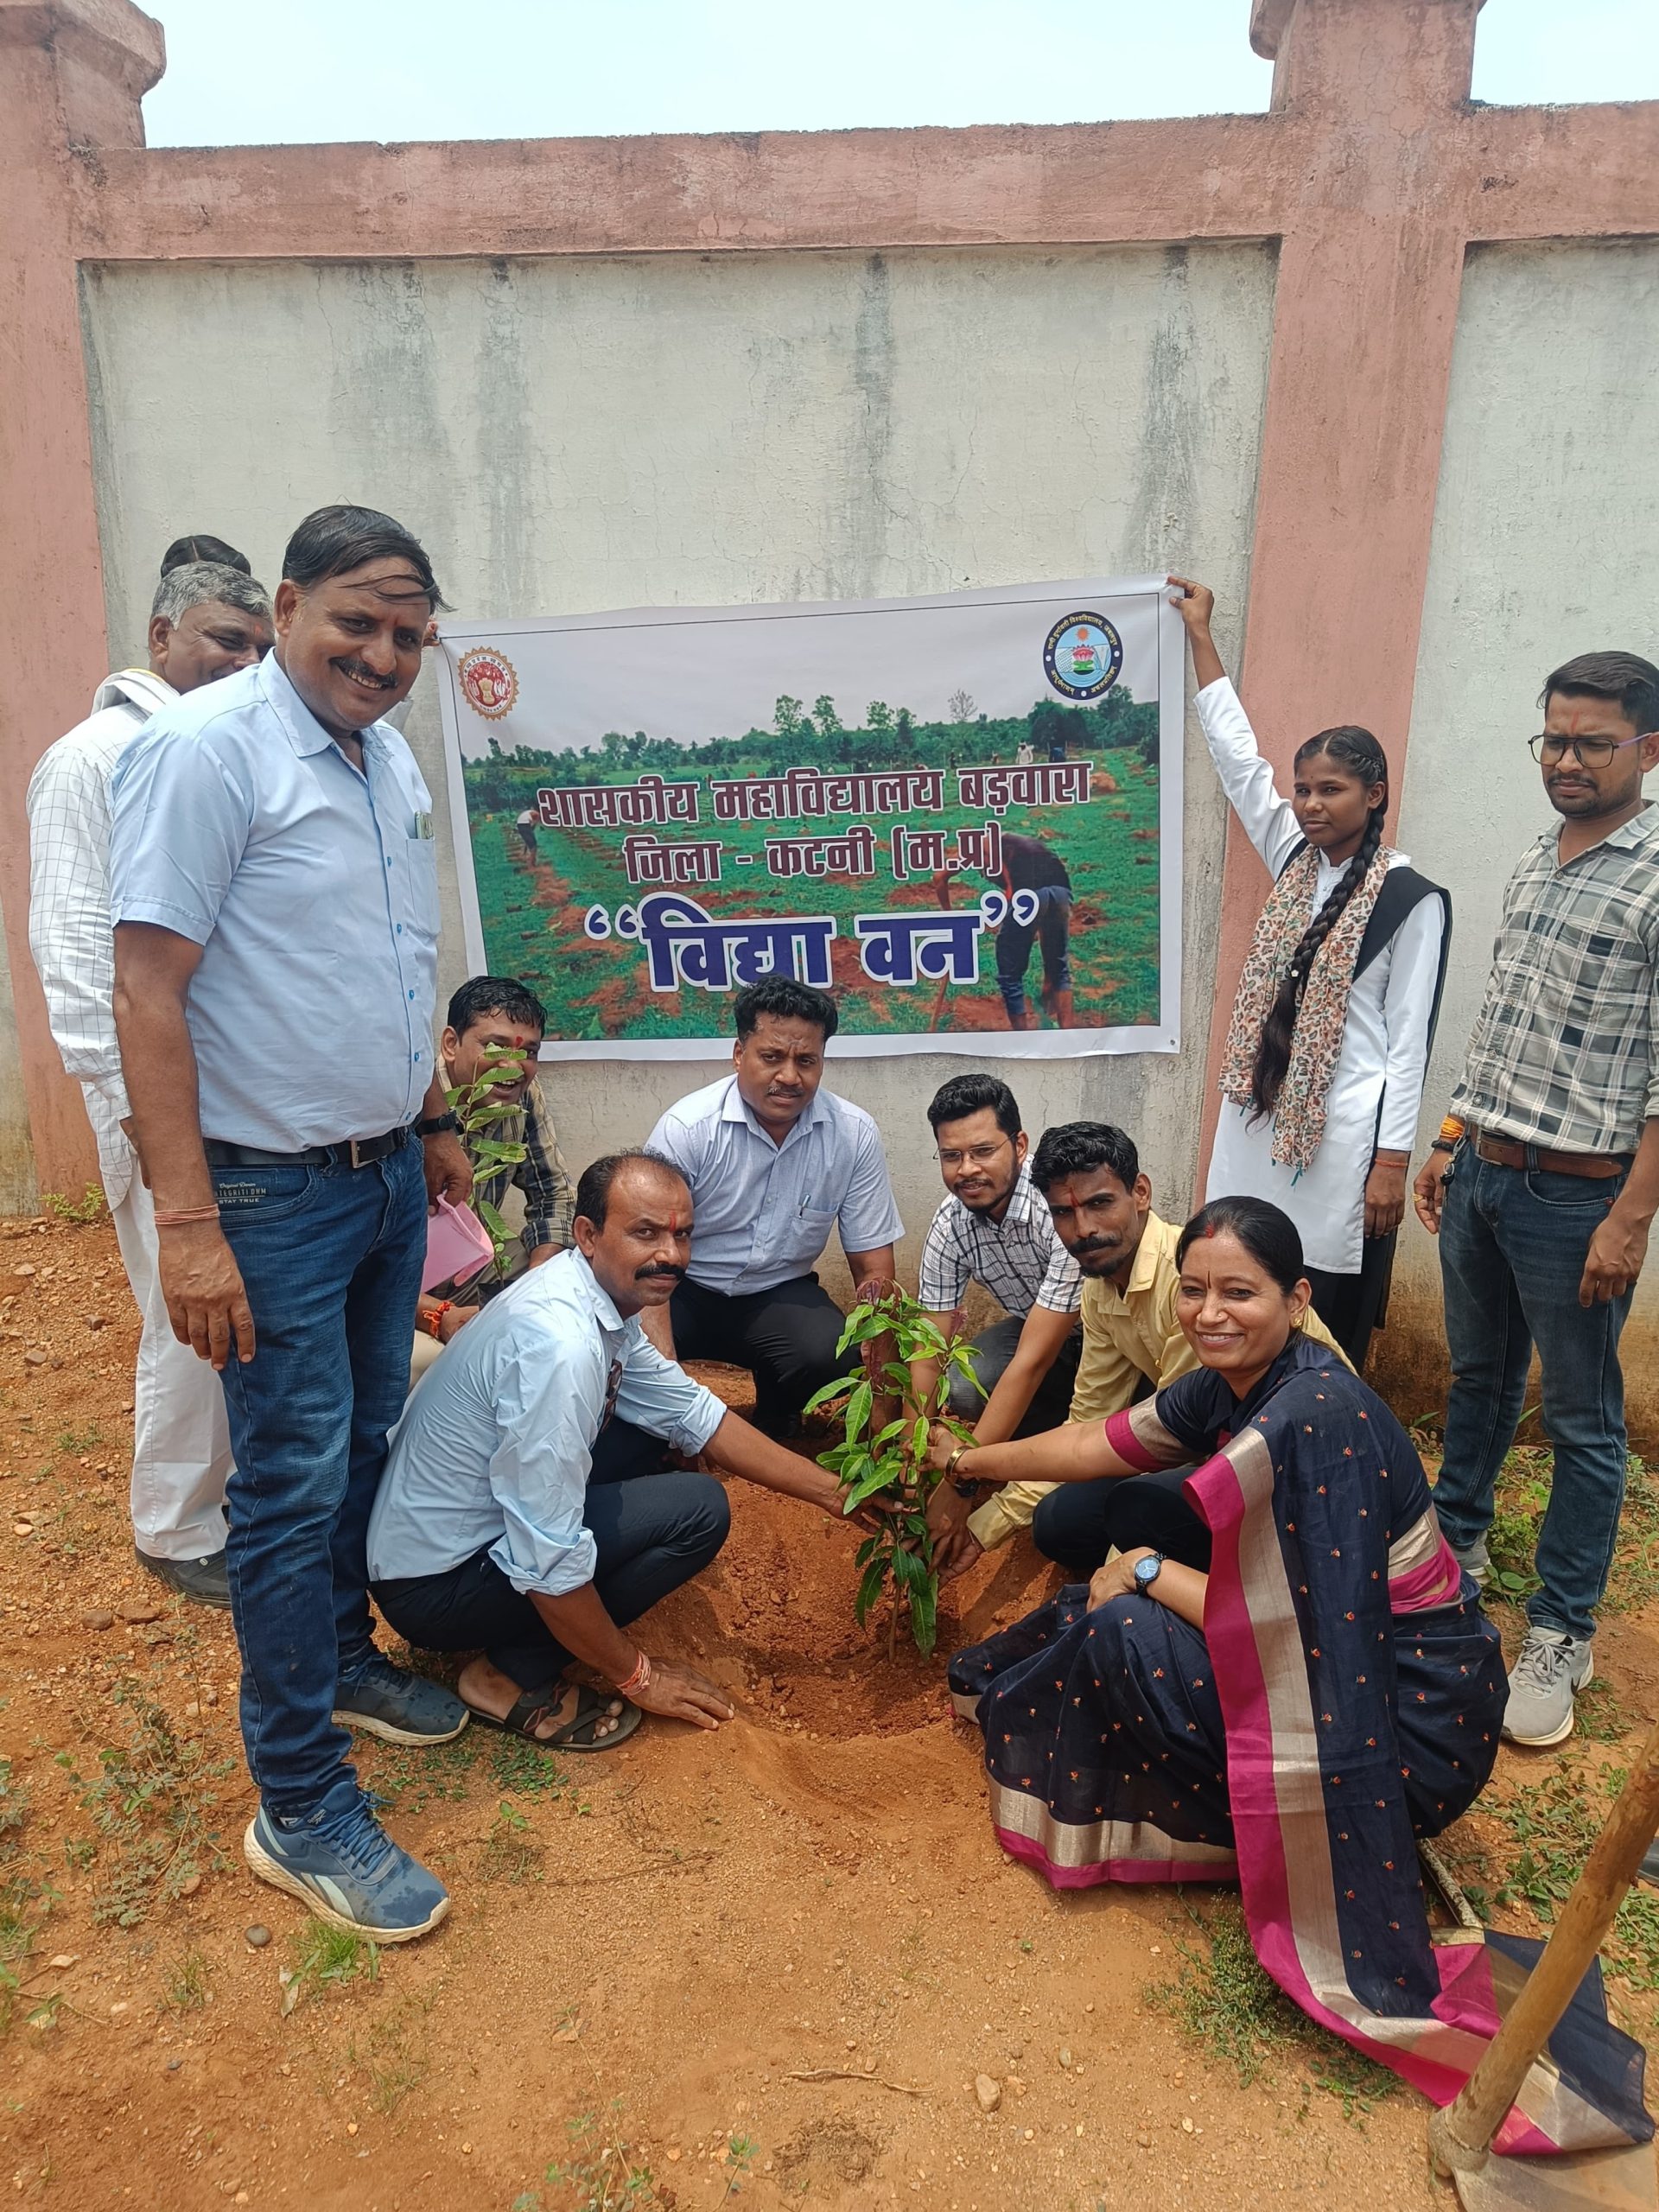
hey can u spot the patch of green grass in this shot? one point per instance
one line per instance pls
(1635, 1579)
(1222, 2000)
(327, 1958)
(186, 1987)
(1600, 1716)
(1523, 1495)
(85, 1439)
(599, 2172)
(23, 1904)
(150, 1803)
(407, 1777)
(518, 1766)
(1552, 1823)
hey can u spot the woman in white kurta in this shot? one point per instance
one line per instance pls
(1323, 1075)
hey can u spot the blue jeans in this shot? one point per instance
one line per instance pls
(331, 1258)
(1051, 923)
(1512, 1251)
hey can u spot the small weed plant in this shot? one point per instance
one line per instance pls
(327, 1958)
(89, 1207)
(598, 2173)
(887, 1467)
(150, 1803)
(186, 1987)
(511, 1853)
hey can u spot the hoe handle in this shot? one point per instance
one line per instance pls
(1459, 2137)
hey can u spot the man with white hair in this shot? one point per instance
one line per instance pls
(206, 621)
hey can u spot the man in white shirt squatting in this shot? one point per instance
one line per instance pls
(996, 1229)
(492, 1530)
(207, 620)
(774, 1164)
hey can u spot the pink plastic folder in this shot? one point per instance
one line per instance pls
(457, 1245)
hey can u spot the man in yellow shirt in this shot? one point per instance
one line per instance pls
(1089, 1175)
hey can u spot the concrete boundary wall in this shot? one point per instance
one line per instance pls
(1369, 184)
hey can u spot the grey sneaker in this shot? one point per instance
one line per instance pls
(1474, 1559)
(1551, 1665)
(382, 1701)
(203, 1579)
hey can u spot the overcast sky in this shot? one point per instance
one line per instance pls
(385, 69)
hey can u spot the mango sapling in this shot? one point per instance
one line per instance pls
(886, 1468)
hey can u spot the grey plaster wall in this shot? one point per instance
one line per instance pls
(567, 436)
(1546, 545)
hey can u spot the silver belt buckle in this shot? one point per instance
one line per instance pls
(352, 1144)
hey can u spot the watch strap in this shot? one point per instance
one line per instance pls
(437, 1125)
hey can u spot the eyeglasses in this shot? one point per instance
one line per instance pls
(977, 1155)
(1588, 752)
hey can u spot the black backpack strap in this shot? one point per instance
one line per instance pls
(1402, 890)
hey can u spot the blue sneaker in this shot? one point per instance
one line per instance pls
(382, 1701)
(351, 1874)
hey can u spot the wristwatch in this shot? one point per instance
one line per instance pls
(1146, 1570)
(963, 1486)
(437, 1125)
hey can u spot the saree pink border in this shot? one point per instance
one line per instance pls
(1246, 1627)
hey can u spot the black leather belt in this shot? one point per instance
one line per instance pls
(356, 1152)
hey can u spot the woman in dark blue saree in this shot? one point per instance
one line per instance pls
(1296, 1717)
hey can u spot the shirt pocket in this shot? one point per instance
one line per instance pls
(421, 881)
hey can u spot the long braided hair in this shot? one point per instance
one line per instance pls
(1358, 752)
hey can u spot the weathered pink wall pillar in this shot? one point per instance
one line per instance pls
(72, 74)
(1365, 312)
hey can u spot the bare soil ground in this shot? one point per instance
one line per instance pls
(766, 1965)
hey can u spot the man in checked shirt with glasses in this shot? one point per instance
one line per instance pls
(1544, 1179)
(995, 1229)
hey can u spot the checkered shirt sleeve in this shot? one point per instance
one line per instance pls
(542, 1175)
(1565, 1051)
(947, 1261)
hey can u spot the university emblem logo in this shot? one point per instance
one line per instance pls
(1082, 656)
(489, 683)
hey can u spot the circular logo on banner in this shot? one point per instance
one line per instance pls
(1083, 656)
(489, 683)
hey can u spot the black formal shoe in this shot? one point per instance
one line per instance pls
(203, 1579)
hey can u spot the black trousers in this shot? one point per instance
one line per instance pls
(650, 1534)
(785, 1337)
(992, 1350)
(1077, 1524)
(1350, 1306)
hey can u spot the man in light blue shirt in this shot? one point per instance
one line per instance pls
(774, 1165)
(275, 897)
(495, 1531)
